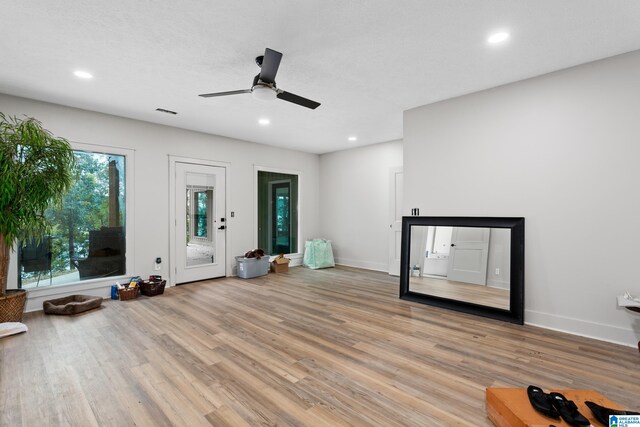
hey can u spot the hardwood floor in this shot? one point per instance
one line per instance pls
(468, 292)
(327, 347)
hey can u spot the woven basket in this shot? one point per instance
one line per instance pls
(128, 293)
(12, 305)
(152, 288)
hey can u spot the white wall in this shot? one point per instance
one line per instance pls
(354, 203)
(153, 144)
(563, 151)
(499, 258)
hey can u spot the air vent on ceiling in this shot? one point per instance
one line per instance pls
(162, 110)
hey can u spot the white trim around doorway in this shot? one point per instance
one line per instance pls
(172, 211)
(296, 258)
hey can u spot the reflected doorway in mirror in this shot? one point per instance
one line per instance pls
(462, 263)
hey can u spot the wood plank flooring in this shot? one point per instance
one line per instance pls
(468, 292)
(330, 347)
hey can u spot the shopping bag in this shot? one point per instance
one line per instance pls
(318, 253)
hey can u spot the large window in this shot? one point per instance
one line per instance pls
(277, 212)
(87, 231)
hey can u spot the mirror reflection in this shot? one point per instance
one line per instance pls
(469, 264)
(199, 221)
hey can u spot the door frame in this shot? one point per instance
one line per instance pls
(395, 225)
(296, 256)
(172, 211)
(270, 216)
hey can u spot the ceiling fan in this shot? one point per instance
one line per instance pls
(264, 84)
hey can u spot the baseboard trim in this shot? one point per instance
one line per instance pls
(583, 328)
(499, 284)
(599, 331)
(296, 260)
(367, 265)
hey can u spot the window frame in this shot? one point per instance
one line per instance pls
(80, 285)
(301, 238)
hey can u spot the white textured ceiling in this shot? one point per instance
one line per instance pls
(365, 61)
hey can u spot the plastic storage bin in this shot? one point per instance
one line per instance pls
(252, 267)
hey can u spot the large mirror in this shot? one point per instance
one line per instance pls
(474, 265)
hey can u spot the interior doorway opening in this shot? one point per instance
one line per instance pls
(278, 214)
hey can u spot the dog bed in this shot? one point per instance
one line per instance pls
(73, 304)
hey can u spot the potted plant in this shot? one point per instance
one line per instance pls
(36, 170)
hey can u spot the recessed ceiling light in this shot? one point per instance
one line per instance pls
(82, 74)
(352, 139)
(264, 122)
(498, 37)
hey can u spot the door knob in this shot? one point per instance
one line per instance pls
(453, 244)
(221, 227)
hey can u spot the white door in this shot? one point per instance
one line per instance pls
(395, 220)
(200, 222)
(468, 255)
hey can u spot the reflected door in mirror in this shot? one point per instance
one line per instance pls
(454, 263)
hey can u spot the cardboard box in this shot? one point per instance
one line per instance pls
(280, 264)
(510, 407)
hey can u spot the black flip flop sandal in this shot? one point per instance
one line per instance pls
(568, 410)
(602, 414)
(541, 402)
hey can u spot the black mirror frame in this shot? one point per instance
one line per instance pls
(515, 314)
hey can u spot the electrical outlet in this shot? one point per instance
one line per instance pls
(497, 271)
(157, 266)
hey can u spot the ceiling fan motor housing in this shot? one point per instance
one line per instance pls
(263, 92)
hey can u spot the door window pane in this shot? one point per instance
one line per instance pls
(87, 237)
(277, 212)
(199, 211)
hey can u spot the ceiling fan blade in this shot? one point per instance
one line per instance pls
(270, 64)
(287, 96)
(231, 92)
